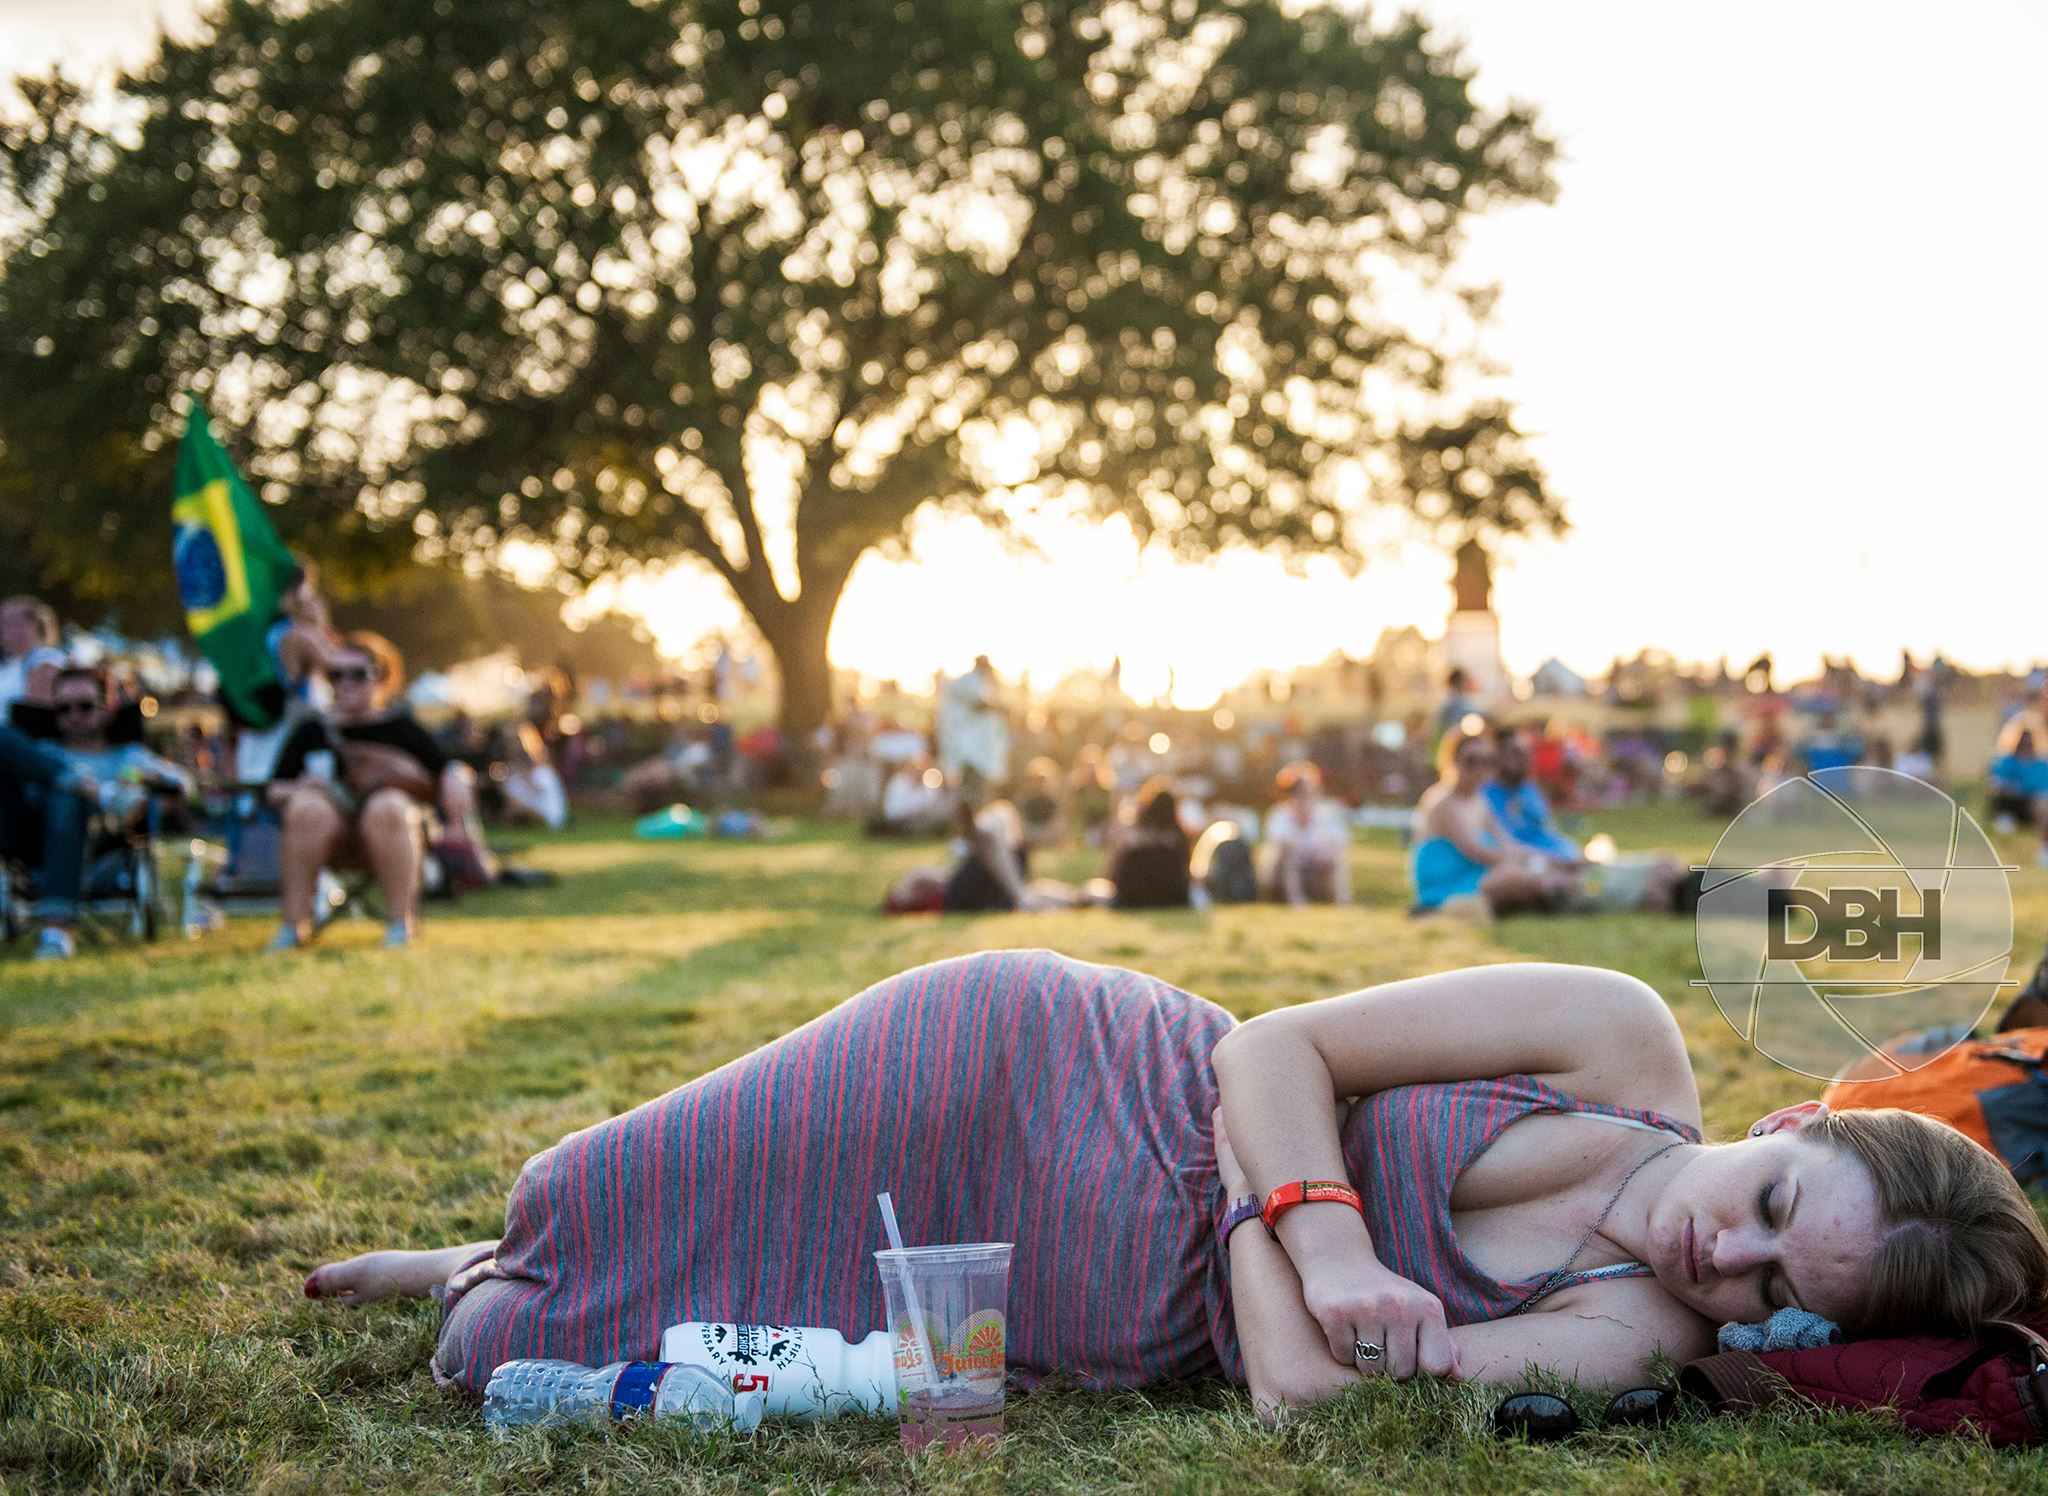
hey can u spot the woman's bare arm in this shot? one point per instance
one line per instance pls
(1612, 1342)
(1287, 1363)
(1607, 1335)
(1599, 1034)
(1464, 833)
(304, 650)
(1439, 815)
(1604, 1334)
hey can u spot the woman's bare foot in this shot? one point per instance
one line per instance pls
(387, 1275)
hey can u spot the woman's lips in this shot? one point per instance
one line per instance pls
(1692, 1257)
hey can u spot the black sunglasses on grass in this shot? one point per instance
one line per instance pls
(1540, 1417)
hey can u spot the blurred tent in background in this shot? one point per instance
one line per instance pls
(1555, 678)
(492, 685)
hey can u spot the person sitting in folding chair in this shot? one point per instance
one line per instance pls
(46, 808)
(356, 791)
(93, 741)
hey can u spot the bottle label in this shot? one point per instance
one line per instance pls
(801, 1372)
(750, 1355)
(633, 1393)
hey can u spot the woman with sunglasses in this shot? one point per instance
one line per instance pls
(1456, 1175)
(352, 790)
(1464, 861)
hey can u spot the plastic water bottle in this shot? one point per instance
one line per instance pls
(561, 1392)
(805, 1374)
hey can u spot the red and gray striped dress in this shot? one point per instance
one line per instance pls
(1017, 1096)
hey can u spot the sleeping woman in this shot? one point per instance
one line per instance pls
(1521, 1179)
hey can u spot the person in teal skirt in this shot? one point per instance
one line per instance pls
(1463, 860)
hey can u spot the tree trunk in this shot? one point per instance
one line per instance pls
(797, 633)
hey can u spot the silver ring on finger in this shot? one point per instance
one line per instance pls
(1369, 1354)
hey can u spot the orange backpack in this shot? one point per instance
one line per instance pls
(1995, 1090)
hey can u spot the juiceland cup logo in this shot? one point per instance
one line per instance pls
(1845, 908)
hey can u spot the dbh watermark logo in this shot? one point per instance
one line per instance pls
(1847, 907)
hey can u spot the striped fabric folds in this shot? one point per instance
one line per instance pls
(1405, 1148)
(1014, 1096)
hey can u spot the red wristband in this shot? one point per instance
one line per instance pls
(1308, 1192)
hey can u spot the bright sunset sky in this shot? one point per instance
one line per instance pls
(1782, 336)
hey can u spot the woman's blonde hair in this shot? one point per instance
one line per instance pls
(37, 611)
(1961, 1245)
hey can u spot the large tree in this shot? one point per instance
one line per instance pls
(756, 281)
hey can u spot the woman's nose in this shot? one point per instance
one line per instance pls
(1736, 1251)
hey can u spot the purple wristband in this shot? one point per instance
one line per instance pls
(1243, 1208)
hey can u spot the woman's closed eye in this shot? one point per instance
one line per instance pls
(1768, 1276)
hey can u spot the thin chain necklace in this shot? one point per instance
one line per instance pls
(1600, 1220)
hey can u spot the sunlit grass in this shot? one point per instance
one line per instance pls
(185, 1130)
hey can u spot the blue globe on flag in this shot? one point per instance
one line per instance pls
(202, 575)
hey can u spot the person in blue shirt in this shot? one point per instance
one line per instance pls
(46, 824)
(1828, 746)
(2017, 784)
(1521, 808)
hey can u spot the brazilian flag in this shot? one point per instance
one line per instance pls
(231, 567)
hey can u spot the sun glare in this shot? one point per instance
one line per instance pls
(1088, 603)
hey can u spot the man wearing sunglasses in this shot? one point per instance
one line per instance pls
(47, 824)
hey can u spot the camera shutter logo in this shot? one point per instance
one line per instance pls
(1849, 906)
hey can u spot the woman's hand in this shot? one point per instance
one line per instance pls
(1358, 1302)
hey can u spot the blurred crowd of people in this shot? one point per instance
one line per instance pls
(1182, 807)
(1478, 799)
(351, 778)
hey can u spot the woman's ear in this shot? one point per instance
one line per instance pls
(1790, 1118)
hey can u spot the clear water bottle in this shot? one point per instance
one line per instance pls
(521, 1393)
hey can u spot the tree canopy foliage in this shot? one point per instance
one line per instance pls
(755, 281)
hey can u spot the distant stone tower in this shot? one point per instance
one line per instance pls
(1472, 637)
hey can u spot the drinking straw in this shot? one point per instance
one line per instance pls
(924, 1343)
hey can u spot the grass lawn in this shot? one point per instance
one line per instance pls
(186, 1130)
